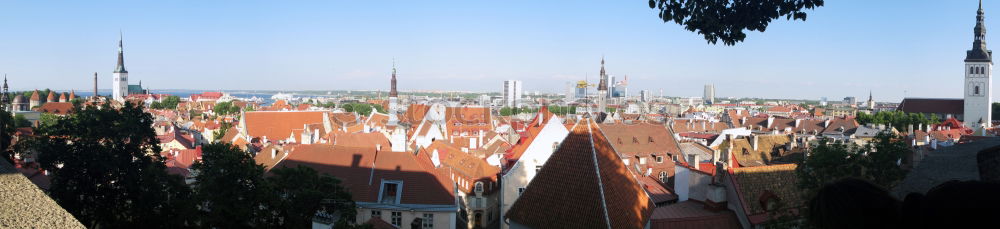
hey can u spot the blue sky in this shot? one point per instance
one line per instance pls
(845, 48)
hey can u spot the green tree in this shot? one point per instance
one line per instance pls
(301, 192)
(230, 189)
(46, 119)
(225, 108)
(170, 102)
(20, 121)
(728, 20)
(223, 128)
(877, 162)
(7, 127)
(379, 108)
(506, 111)
(106, 169)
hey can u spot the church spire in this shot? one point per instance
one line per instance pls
(392, 90)
(120, 68)
(603, 85)
(979, 53)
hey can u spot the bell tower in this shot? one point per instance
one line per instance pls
(978, 78)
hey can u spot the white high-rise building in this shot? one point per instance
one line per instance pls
(644, 95)
(119, 86)
(709, 96)
(978, 79)
(512, 93)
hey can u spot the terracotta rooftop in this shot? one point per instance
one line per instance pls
(55, 108)
(692, 215)
(362, 169)
(464, 164)
(362, 140)
(278, 125)
(583, 185)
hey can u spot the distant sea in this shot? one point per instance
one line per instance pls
(265, 96)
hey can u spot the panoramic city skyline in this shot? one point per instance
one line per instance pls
(843, 49)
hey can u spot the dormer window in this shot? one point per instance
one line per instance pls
(479, 187)
(635, 140)
(650, 139)
(390, 193)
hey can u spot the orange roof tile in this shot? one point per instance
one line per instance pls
(278, 125)
(583, 185)
(422, 184)
(463, 164)
(55, 108)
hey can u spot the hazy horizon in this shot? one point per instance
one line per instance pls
(843, 49)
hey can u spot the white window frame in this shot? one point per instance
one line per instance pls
(520, 191)
(428, 221)
(396, 216)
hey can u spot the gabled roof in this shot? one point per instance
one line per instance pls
(464, 164)
(758, 185)
(56, 108)
(279, 125)
(363, 169)
(934, 106)
(583, 185)
(630, 139)
(532, 129)
(362, 140)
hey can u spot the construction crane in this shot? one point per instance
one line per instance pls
(583, 84)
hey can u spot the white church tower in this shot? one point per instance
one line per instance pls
(120, 83)
(978, 79)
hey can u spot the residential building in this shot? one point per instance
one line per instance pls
(512, 93)
(478, 187)
(537, 142)
(396, 187)
(709, 97)
(584, 185)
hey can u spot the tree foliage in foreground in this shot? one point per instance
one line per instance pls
(230, 189)
(727, 20)
(106, 169)
(232, 192)
(876, 162)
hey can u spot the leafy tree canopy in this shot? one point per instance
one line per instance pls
(728, 20)
(106, 169)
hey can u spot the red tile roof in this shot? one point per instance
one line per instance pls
(56, 108)
(532, 129)
(465, 165)
(935, 106)
(583, 185)
(692, 215)
(362, 169)
(362, 140)
(279, 125)
(644, 140)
